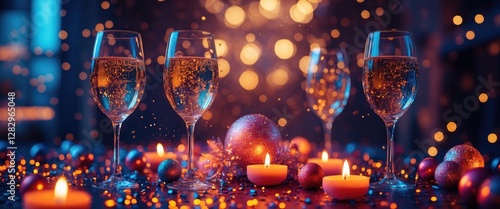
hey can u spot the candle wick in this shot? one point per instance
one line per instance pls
(345, 177)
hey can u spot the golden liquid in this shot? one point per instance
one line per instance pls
(327, 92)
(390, 85)
(190, 84)
(117, 85)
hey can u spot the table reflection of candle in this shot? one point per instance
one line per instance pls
(267, 174)
(331, 166)
(61, 198)
(345, 186)
(155, 158)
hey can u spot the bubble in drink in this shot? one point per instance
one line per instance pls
(178, 54)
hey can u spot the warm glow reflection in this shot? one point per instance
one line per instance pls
(160, 150)
(302, 12)
(234, 16)
(250, 54)
(284, 49)
(278, 77)
(224, 67)
(61, 190)
(249, 80)
(269, 5)
(267, 162)
(324, 156)
(345, 170)
(220, 47)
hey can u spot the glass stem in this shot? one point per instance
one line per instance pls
(327, 128)
(190, 141)
(116, 155)
(390, 150)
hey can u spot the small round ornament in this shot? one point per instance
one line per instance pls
(38, 152)
(169, 170)
(495, 165)
(448, 174)
(250, 138)
(135, 160)
(488, 195)
(33, 182)
(427, 168)
(3, 151)
(311, 176)
(466, 156)
(470, 182)
(81, 156)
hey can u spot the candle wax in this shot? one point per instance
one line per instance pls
(341, 188)
(332, 166)
(45, 199)
(262, 176)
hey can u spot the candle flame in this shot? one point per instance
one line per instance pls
(61, 190)
(267, 162)
(324, 156)
(160, 150)
(345, 170)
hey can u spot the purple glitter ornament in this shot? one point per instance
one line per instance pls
(427, 168)
(448, 174)
(470, 182)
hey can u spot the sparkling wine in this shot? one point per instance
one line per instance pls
(328, 95)
(117, 85)
(190, 85)
(390, 85)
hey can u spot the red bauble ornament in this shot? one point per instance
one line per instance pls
(470, 182)
(311, 176)
(427, 168)
(466, 156)
(488, 194)
(448, 174)
(32, 182)
(250, 138)
(135, 160)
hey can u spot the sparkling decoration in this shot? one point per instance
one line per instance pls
(169, 170)
(303, 146)
(466, 156)
(81, 156)
(489, 193)
(470, 182)
(135, 160)
(495, 165)
(39, 152)
(448, 174)
(311, 176)
(250, 138)
(427, 168)
(33, 182)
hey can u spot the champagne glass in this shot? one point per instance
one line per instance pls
(328, 87)
(190, 80)
(390, 85)
(118, 78)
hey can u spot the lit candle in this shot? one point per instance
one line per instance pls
(61, 197)
(267, 174)
(155, 158)
(345, 186)
(331, 166)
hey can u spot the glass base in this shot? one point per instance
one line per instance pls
(189, 185)
(391, 184)
(116, 182)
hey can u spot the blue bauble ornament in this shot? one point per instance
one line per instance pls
(169, 170)
(135, 160)
(38, 152)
